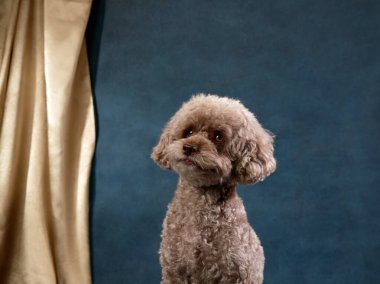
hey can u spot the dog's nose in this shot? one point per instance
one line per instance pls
(189, 149)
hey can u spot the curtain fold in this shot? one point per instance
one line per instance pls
(47, 138)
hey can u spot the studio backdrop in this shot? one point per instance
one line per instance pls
(310, 72)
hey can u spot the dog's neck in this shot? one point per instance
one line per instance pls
(216, 194)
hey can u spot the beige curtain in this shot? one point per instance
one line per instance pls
(46, 141)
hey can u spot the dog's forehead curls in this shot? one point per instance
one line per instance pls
(212, 140)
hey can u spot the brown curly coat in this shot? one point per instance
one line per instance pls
(213, 143)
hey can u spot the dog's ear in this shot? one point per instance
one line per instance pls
(159, 154)
(256, 160)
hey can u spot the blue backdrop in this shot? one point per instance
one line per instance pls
(309, 70)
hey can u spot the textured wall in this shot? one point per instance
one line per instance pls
(309, 70)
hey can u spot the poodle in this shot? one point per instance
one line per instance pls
(213, 143)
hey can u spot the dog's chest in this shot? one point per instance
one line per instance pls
(197, 225)
(199, 216)
(201, 237)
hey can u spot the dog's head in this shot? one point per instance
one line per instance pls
(213, 140)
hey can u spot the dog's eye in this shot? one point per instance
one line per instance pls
(218, 137)
(188, 132)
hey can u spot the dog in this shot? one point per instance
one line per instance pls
(213, 143)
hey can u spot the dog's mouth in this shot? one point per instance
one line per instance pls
(190, 162)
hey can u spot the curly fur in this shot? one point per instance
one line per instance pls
(206, 236)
